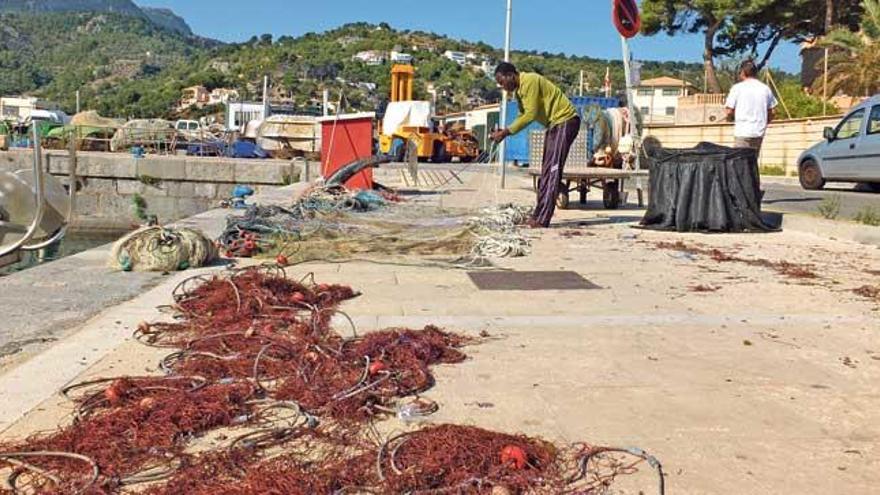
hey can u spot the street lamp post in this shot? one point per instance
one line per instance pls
(503, 114)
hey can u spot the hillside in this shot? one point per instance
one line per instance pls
(163, 18)
(300, 67)
(167, 19)
(127, 66)
(55, 54)
(116, 6)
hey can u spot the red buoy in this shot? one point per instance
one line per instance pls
(376, 367)
(514, 456)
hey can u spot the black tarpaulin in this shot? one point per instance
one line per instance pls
(707, 188)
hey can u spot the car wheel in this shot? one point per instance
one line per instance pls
(810, 175)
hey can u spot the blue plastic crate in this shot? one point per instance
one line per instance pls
(518, 145)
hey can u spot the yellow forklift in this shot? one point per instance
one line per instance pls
(409, 125)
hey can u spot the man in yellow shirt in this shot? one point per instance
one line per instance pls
(541, 101)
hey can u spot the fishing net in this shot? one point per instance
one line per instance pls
(338, 225)
(288, 402)
(160, 249)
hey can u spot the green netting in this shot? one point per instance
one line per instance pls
(340, 227)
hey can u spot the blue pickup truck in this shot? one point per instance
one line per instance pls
(849, 153)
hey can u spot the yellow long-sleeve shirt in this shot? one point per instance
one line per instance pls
(542, 101)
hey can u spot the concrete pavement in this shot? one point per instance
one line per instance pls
(756, 383)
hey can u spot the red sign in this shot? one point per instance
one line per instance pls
(626, 18)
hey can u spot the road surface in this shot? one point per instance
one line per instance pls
(790, 197)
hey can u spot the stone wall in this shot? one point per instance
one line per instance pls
(173, 187)
(783, 144)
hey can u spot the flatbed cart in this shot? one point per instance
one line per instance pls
(582, 179)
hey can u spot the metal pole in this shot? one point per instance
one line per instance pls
(77, 101)
(503, 115)
(825, 86)
(581, 88)
(265, 96)
(627, 60)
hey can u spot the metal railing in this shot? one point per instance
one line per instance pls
(40, 202)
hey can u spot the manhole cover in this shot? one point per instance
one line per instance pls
(530, 281)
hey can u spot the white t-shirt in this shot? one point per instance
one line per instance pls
(752, 100)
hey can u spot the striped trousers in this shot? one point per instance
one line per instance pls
(557, 143)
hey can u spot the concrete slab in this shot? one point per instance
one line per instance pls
(765, 384)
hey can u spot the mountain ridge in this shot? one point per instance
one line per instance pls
(162, 17)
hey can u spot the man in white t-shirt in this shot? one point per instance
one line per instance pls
(750, 104)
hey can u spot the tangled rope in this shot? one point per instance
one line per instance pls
(162, 249)
(501, 218)
(498, 235)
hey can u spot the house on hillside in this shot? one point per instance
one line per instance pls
(658, 99)
(370, 57)
(458, 57)
(193, 96)
(220, 96)
(401, 57)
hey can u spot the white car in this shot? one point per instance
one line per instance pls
(850, 152)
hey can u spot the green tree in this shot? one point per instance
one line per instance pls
(855, 62)
(694, 16)
(741, 27)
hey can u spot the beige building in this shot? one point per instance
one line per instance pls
(194, 95)
(17, 108)
(657, 99)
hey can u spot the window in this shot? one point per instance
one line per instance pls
(671, 92)
(851, 125)
(646, 91)
(10, 111)
(645, 111)
(670, 111)
(874, 120)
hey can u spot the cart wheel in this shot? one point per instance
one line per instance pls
(611, 196)
(562, 200)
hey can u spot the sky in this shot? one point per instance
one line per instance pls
(580, 27)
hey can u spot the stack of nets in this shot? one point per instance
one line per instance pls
(262, 395)
(160, 249)
(338, 225)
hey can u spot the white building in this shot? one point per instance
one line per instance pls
(458, 57)
(239, 113)
(17, 108)
(370, 57)
(222, 95)
(401, 58)
(657, 99)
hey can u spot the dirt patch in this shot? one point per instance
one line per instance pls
(784, 268)
(868, 292)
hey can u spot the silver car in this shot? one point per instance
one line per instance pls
(850, 152)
